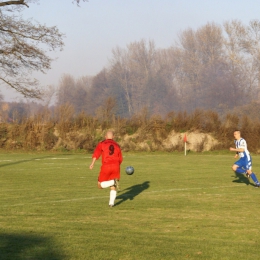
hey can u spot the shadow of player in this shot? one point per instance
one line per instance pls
(29, 246)
(241, 178)
(25, 161)
(132, 192)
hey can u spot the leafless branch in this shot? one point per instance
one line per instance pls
(7, 3)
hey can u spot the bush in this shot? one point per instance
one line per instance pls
(140, 132)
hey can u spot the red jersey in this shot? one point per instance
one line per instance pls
(110, 151)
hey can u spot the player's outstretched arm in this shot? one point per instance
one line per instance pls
(237, 150)
(240, 150)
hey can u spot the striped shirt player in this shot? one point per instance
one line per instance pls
(110, 169)
(244, 164)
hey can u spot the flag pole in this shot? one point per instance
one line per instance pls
(185, 142)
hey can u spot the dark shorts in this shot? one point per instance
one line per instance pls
(109, 172)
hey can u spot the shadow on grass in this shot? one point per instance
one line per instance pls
(21, 247)
(24, 161)
(241, 178)
(131, 192)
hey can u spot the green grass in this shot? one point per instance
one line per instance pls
(173, 207)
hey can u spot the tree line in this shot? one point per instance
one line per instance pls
(63, 130)
(212, 67)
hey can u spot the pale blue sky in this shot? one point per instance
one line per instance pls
(96, 27)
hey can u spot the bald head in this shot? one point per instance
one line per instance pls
(109, 135)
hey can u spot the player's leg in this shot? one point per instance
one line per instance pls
(112, 197)
(109, 177)
(110, 173)
(254, 178)
(104, 179)
(115, 174)
(117, 184)
(105, 184)
(252, 174)
(238, 169)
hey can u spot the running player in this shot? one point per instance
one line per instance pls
(244, 164)
(110, 169)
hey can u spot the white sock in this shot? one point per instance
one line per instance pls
(106, 184)
(112, 197)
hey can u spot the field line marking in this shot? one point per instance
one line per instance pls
(122, 195)
(53, 201)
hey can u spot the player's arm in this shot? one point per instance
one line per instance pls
(238, 150)
(95, 156)
(92, 163)
(241, 147)
(120, 156)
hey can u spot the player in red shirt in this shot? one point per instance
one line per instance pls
(110, 169)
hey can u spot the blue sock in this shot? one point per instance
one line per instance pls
(253, 176)
(240, 170)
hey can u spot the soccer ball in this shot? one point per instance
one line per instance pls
(129, 170)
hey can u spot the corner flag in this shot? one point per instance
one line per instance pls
(185, 138)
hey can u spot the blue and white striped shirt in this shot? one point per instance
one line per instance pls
(241, 143)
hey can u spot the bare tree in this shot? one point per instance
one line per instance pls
(48, 95)
(78, 1)
(98, 92)
(132, 68)
(106, 111)
(23, 47)
(243, 49)
(203, 77)
(15, 3)
(26, 2)
(121, 73)
(66, 90)
(1, 97)
(82, 88)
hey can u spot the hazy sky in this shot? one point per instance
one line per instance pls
(97, 26)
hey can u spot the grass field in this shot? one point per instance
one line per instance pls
(173, 207)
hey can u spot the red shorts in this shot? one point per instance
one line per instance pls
(109, 172)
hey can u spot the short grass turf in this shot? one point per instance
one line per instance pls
(172, 207)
